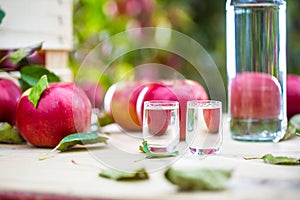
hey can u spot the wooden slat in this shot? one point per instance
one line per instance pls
(57, 61)
(23, 175)
(33, 21)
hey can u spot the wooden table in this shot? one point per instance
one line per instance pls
(24, 176)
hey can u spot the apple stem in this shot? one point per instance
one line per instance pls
(3, 58)
(252, 158)
(47, 155)
(138, 160)
(86, 165)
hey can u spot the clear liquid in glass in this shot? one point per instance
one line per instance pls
(204, 127)
(256, 69)
(161, 126)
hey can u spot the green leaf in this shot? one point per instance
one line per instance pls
(9, 134)
(32, 73)
(16, 56)
(290, 132)
(293, 128)
(24, 85)
(198, 179)
(77, 138)
(104, 119)
(295, 123)
(144, 148)
(278, 160)
(2, 14)
(117, 175)
(37, 90)
(141, 148)
(139, 174)
(80, 138)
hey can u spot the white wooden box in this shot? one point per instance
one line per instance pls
(29, 22)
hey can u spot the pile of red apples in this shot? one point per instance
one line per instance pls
(66, 108)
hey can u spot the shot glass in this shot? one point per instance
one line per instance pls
(161, 125)
(204, 130)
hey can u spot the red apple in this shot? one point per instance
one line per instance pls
(120, 103)
(176, 90)
(152, 91)
(95, 92)
(124, 101)
(63, 109)
(108, 99)
(6, 63)
(293, 94)
(212, 117)
(10, 93)
(254, 95)
(38, 57)
(158, 121)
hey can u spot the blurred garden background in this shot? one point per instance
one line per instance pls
(202, 20)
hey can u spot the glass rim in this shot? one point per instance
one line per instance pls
(252, 2)
(162, 103)
(204, 102)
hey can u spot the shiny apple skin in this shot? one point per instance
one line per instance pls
(255, 95)
(10, 93)
(63, 109)
(180, 90)
(293, 95)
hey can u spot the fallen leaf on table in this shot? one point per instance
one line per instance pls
(277, 160)
(139, 174)
(198, 179)
(80, 138)
(145, 149)
(77, 138)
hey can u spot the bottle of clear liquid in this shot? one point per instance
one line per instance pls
(256, 69)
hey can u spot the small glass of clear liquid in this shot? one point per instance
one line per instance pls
(161, 125)
(204, 130)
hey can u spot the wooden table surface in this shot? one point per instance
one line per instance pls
(24, 176)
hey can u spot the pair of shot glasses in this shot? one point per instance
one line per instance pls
(203, 126)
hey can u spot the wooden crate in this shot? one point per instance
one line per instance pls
(29, 22)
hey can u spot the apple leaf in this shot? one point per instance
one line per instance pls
(141, 148)
(37, 90)
(80, 138)
(145, 149)
(16, 56)
(295, 123)
(139, 174)
(31, 74)
(277, 160)
(291, 131)
(77, 138)
(2, 14)
(9, 134)
(293, 128)
(198, 179)
(104, 119)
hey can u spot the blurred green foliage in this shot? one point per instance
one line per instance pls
(202, 20)
(293, 36)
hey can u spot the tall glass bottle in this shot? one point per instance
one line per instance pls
(256, 69)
